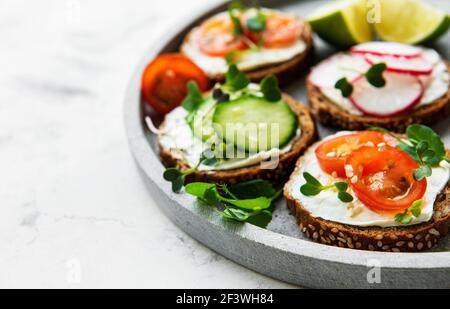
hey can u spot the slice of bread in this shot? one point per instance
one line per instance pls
(392, 239)
(332, 115)
(279, 175)
(287, 71)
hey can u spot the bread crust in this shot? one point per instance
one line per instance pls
(414, 238)
(287, 71)
(332, 115)
(279, 175)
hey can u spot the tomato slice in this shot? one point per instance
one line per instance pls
(164, 81)
(333, 153)
(216, 37)
(281, 31)
(385, 181)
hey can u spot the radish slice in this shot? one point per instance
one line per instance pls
(388, 49)
(401, 93)
(328, 72)
(415, 66)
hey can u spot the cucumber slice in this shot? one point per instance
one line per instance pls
(253, 124)
(201, 121)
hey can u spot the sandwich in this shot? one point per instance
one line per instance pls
(385, 84)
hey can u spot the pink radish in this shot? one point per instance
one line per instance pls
(401, 93)
(388, 49)
(415, 66)
(328, 72)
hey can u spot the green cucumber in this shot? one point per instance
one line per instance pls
(201, 121)
(250, 122)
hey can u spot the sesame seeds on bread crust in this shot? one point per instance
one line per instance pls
(277, 176)
(414, 238)
(332, 115)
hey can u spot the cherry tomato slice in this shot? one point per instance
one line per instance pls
(164, 82)
(385, 182)
(333, 153)
(281, 31)
(216, 37)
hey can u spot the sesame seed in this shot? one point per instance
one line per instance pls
(321, 232)
(334, 174)
(312, 228)
(332, 237)
(410, 236)
(351, 246)
(395, 250)
(307, 234)
(358, 245)
(379, 237)
(315, 236)
(419, 237)
(420, 246)
(349, 170)
(411, 244)
(335, 230)
(331, 154)
(380, 244)
(430, 244)
(371, 248)
(400, 244)
(342, 240)
(435, 232)
(386, 248)
(341, 234)
(341, 245)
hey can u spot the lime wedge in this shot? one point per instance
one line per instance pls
(342, 23)
(411, 22)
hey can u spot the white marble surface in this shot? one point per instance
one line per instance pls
(73, 210)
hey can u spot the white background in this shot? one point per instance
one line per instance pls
(74, 212)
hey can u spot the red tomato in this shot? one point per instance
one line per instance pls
(281, 31)
(164, 81)
(385, 181)
(333, 153)
(216, 37)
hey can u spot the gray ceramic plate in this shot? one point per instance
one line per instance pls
(280, 251)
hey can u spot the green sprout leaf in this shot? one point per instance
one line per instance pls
(235, 79)
(257, 210)
(345, 87)
(345, 197)
(423, 172)
(252, 189)
(194, 97)
(408, 216)
(342, 186)
(375, 75)
(270, 88)
(416, 208)
(313, 187)
(403, 218)
(234, 10)
(257, 23)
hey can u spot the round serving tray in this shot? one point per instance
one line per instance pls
(280, 251)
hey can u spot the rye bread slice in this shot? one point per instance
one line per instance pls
(287, 71)
(332, 115)
(392, 239)
(279, 175)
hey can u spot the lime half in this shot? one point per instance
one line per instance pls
(342, 23)
(411, 22)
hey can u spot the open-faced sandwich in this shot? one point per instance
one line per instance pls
(384, 84)
(373, 190)
(239, 131)
(260, 41)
